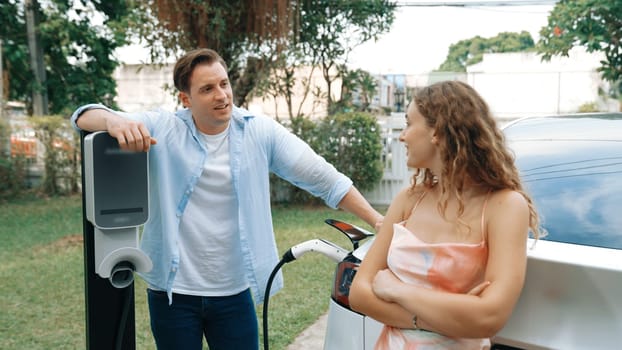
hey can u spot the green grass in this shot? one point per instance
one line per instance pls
(42, 289)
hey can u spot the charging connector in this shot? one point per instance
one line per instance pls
(328, 249)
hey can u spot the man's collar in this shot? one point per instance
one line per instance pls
(238, 115)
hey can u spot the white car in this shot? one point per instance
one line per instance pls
(572, 298)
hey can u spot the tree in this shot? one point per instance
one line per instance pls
(283, 80)
(77, 53)
(593, 24)
(350, 141)
(470, 51)
(14, 52)
(255, 37)
(357, 89)
(367, 88)
(331, 29)
(246, 33)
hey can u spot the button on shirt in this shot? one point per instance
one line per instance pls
(258, 146)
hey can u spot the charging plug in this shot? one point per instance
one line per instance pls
(328, 249)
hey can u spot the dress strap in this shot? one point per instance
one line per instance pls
(417, 202)
(484, 213)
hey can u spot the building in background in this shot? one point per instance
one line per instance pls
(309, 97)
(521, 84)
(145, 87)
(514, 84)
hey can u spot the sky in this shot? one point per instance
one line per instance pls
(419, 38)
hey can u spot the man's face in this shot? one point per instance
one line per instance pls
(210, 98)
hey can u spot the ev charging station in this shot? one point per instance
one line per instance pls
(115, 200)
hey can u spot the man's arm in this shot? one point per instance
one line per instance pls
(132, 135)
(354, 202)
(295, 161)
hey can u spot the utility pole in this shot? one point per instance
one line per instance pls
(1, 84)
(471, 3)
(39, 92)
(5, 144)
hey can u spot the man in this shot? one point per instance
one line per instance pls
(210, 232)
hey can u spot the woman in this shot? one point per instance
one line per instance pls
(449, 261)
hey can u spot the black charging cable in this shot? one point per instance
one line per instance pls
(287, 257)
(128, 298)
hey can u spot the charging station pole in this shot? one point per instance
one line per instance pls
(110, 319)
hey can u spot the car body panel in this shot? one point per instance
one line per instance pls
(350, 334)
(567, 303)
(355, 332)
(571, 166)
(361, 251)
(571, 299)
(372, 332)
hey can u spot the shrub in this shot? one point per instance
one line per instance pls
(589, 107)
(12, 169)
(61, 174)
(350, 141)
(12, 176)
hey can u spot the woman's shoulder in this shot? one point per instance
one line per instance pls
(507, 201)
(507, 218)
(507, 196)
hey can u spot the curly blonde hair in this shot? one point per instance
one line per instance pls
(471, 145)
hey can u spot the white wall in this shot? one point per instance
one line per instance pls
(309, 105)
(520, 84)
(141, 88)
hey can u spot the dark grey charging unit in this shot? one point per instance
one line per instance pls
(115, 204)
(117, 183)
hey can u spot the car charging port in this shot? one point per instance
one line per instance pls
(344, 275)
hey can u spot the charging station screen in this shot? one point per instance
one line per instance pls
(120, 179)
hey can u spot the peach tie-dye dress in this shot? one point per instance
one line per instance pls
(451, 267)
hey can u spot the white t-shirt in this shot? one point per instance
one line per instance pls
(209, 244)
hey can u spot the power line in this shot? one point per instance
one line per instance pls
(475, 3)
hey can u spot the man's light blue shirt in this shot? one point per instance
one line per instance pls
(258, 145)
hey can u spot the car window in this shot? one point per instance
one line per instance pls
(576, 187)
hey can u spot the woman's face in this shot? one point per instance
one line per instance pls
(420, 141)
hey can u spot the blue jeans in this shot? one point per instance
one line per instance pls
(227, 322)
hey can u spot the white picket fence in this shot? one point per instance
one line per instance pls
(396, 173)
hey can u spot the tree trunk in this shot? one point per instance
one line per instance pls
(39, 92)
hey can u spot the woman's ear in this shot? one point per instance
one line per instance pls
(434, 140)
